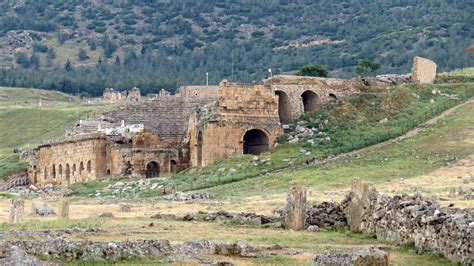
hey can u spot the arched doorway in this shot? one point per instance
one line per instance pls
(284, 107)
(310, 101)
(199, 149)
(68, 173)
(35, 175)
(173, 166)
(255, 142)
(152, 170)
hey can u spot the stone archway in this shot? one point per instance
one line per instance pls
(199, 149)
(284, 107)
(255, 142)
(173, 166)
(152, 169)
(310, 101)
(68, 173)
(35, 175)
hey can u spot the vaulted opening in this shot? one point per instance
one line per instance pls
(173, 166)
(284, 107)
(68, 173)
(152, 170)
(199, 149)
(89, 167)
(310, 101)
(255, 142)
(35, 175)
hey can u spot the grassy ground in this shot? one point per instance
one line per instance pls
(24, 122)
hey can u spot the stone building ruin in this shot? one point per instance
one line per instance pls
(193, 128)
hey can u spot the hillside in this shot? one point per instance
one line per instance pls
(162, 44)
(29, 116)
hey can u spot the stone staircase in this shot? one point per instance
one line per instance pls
(166, 116)
(15, 182)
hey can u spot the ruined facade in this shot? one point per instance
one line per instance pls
(172, 132)
(111, 95)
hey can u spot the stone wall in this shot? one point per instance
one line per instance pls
(200, 91)
(297, 95)
(242, 110)
(424, 70)
(412, 220)
(68, 161)
(113, 95)
(134, 95)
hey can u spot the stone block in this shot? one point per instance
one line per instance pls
(424, 70)
(296, 209)
(17, 209)
(360, 194)
(63, 210)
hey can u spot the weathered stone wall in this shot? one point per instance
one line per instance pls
(68, 161)
(113, 95)
(200, 91)
(424, 70)
(298, 95)
(412, 220)
(134, 95)
(240, 109)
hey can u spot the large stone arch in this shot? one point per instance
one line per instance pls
(310, 100)
(255, 141)
(152, 169)
(284, 107)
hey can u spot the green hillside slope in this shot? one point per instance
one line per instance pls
(156, 44)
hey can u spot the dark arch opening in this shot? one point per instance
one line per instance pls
(54, 171)
(310, 101)
(173, 166)
(81, 168)
(152, 170)
(68, 173)
(199, 149)
(60, 170)
(89, 167)
(45, 174)
(108, 171)
(284, 107)
(255, 142)
(35, 175)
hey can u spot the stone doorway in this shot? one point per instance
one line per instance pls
(173, 166)
(199, 150)
(152, 170)
(255, 142)
(310, 101)
(284, 107)
(68, 173)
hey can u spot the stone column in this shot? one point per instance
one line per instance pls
(360, 194)
(63, 210)
(296, 208)
(17, 208)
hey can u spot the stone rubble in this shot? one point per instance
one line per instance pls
(84, 251)
(49, 191)
(357, 256)
(414, 220)
(192, 196)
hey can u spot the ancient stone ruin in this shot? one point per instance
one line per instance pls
(17, 211)
(296, 209)
(424, 70)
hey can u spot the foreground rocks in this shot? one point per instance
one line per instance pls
(192, 196)
(49, 191)
(412, 220)
(357, 256)
(132, 249)
(223, 216)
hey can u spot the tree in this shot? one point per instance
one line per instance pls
(34, 61)
(367, 68)
(313, 71)
(82, 55)
(68, 66)
(117, 61)
(22, 60)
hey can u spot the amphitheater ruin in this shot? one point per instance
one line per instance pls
(198, 125)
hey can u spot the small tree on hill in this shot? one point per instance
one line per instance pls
(367, 68)
(68, 66)
(313, 71)
(82, 55)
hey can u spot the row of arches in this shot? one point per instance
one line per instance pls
(59, 171)
(309, 99)
(153, 168)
